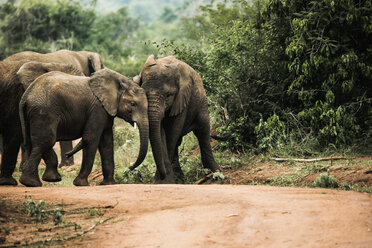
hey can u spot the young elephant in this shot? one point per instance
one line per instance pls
(59, 106)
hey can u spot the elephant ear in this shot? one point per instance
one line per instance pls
(150, 61)
(32, 70)
(185, 84)
(137, 79)
(106, 89)
(94, 62)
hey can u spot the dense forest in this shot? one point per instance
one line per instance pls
(292, 77)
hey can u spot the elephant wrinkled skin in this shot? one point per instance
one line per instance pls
(59, 106)
(177, 105)
(11, 90)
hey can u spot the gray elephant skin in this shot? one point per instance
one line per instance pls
(11, 90)
(177, 105)
(59, 106)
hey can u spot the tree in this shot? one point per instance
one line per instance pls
(297, 69)
(43, 26)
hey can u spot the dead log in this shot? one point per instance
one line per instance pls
(307, 160)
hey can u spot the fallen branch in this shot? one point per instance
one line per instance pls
(86, 231)
(306, 160)
(202, 180)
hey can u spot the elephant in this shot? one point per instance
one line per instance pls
(59, 106)
(11, 90)
(177, 105)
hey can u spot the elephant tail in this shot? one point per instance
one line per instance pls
(24, 123)
(74, 150)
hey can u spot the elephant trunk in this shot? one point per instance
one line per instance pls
(156, 139)
(143, 128)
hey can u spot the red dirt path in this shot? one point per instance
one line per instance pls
(214, 215)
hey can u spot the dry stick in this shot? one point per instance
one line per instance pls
(315, 159)
(202, 180)
(86, 231)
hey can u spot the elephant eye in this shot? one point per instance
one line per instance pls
(132, 104)
(169, 95)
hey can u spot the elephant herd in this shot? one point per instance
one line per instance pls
(67, 95)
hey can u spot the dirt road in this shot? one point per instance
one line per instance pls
(208, 216)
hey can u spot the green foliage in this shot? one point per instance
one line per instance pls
(306, 62)
(57, 216)
(331, 67)
(270, 134)
(345, 186)
(192, 169)
(325, 181)
(43, 26)
(145, 173)
(218, 176)
(37, 210)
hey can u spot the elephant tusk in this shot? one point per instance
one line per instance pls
(135, 125)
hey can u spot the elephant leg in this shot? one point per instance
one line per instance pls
(106, 150)
(51, 173)
(169, 178)
(89, 152)
(66, 146)
(41, 145)
(30, 175)
(176, 164)
(25, 155)
(177, 167)
(11, 143)
(204, 139)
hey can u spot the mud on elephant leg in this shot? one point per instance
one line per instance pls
(51, 173)
(66, 146)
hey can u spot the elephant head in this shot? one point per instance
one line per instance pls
(31, 70)
(168, 86)
(125, 99)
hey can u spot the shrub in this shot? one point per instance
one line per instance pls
(325, 181)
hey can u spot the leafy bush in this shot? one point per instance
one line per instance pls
(57, 216)
(270, 134)
(37, 210)
(325, 181)
(145, 173)
(298, 61)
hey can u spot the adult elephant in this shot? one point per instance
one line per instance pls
(177, 105)
(11, 90)
(59, 106)
(85, 61)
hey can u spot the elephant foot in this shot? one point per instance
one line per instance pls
(179, 176)
(8, 181)
(215, 168)
(66, 162)
(108, 182)
(167, 180)
(51, 176)
(30, 181)
(81, 181)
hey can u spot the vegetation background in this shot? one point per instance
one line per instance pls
(283, 77)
